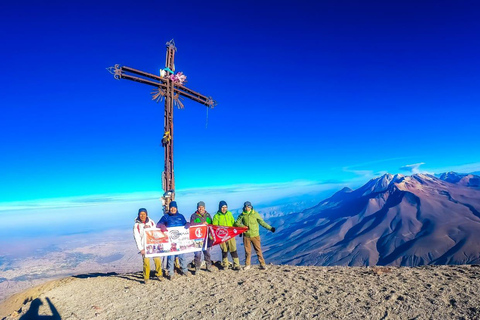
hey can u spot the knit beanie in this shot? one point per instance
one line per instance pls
(221, 204)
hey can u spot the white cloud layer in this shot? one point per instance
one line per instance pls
(412, 168)
(234, 195)
(104, 212)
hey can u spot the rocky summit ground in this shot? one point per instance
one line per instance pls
(281, 292)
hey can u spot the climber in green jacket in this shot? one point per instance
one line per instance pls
(251, 219)
(223, 217)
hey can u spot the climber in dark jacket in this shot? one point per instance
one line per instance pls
(174, 219)
(201, 216)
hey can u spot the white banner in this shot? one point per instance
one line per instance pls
(176, 240)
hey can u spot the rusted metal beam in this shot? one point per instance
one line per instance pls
(168, 169)
(200, 98)
(142, 73)
(142, 80)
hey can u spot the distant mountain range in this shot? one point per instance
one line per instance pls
(392, 220)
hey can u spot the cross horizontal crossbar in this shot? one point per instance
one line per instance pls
(125, 73)
(184, 91)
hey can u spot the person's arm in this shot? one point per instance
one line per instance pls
(230, 220)
(215, 221)
(263, 223)
(162, 224)
(239, 222)
(209, 217)
(184, 222)
(192, 219)
(138, 238)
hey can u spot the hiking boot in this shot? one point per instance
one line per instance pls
(247, 267)
(145, 281)
(171, 277)
(208, 268)
(236, 264)
(225, 264)
(263, 267)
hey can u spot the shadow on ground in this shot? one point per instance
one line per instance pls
(95, 275)
(32, 312)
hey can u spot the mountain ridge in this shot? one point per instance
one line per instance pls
(391, 220)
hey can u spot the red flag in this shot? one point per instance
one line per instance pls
(220, 234)
(197, 231)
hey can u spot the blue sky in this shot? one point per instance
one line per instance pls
(324, 92)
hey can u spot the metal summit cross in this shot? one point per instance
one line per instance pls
(169, 86)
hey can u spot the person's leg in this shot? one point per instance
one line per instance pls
(164, 264)
(224, 248)
(158, 266)
(232, 247)
(183, 263)
(236, 260)
(197, 260)
(248, 251)
(171, 265)
(224, 258)
(208, 260)
(146, 268)
(258, 249)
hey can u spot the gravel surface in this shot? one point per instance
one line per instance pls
(280, 292)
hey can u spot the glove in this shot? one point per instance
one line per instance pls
(273, 229)
(187, 225)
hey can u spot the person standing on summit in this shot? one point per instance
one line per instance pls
(251, 219)
(225, 218)
(174, 219)
(143, 222)
(201, 216)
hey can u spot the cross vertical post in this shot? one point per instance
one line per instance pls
(168, 176)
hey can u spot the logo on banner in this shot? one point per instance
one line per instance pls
(222, 233)
(174, 234)
(198, 232)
